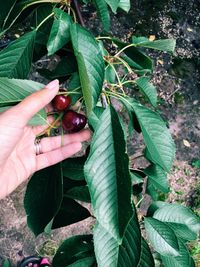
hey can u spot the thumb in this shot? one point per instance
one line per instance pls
(36, 101)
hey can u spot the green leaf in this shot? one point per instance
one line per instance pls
(155, 206)
(175, 213)
(196, 163)
(70, 212)
(87, 261)
(110, 253)
(43, 198)
(162, 237)
(183, 260)
(16, 59)
(107, 175)
(80, 247)
(74, 86)
(90, 65)
(146, 258)
(80, 193)
(18, 9)
(13, 91)
(73, 168)
(113, 4)
(5, 7)
(134, 57)
(39, 119)
(60, 31)
(136, 177)
(6, 263)
(148, 90)
(125, 5)
(167, 45)
(157, 177)
(94, 117)
(156, 136)
(103, 12)
(151, 191)
(110, 75)
(38, 15)
(182, 231)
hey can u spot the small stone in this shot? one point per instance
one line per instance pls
(186, 143)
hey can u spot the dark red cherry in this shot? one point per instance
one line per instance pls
(61, 102)
(73, 121)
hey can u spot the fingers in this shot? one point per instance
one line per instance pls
(50, 158)
(52, 143)
(35, 102)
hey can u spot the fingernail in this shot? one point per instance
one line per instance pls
(53, 84)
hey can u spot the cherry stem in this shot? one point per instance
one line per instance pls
(47, 131)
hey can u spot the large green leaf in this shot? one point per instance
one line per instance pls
(177, 214)
(15, 59)
(157, 177)
(80, 248)
(125, 5)
(183, 260)
(12, 91)
(134, 57)
(90, 65)
(43, 197)
(156, 136)
(107, 175)
(162, 237)
(146, 258)
(113, 4)
(148, 90)
(110, 253)
(60, 31)
(70, 212)
(182, 231)
(102, 9)
(167, 45)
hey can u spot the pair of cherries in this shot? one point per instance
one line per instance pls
(71, 120)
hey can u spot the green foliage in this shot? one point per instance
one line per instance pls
(6, 263)
(100, 83)
(60, 31)
(16, 59)
(90, 65)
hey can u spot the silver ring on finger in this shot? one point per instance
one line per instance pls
(38, 146)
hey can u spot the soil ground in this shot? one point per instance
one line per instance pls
(177, 80)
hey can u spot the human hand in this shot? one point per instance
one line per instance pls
(18, 159)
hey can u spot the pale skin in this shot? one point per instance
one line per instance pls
(18, 160)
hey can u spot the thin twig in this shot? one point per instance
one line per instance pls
(78, 12)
